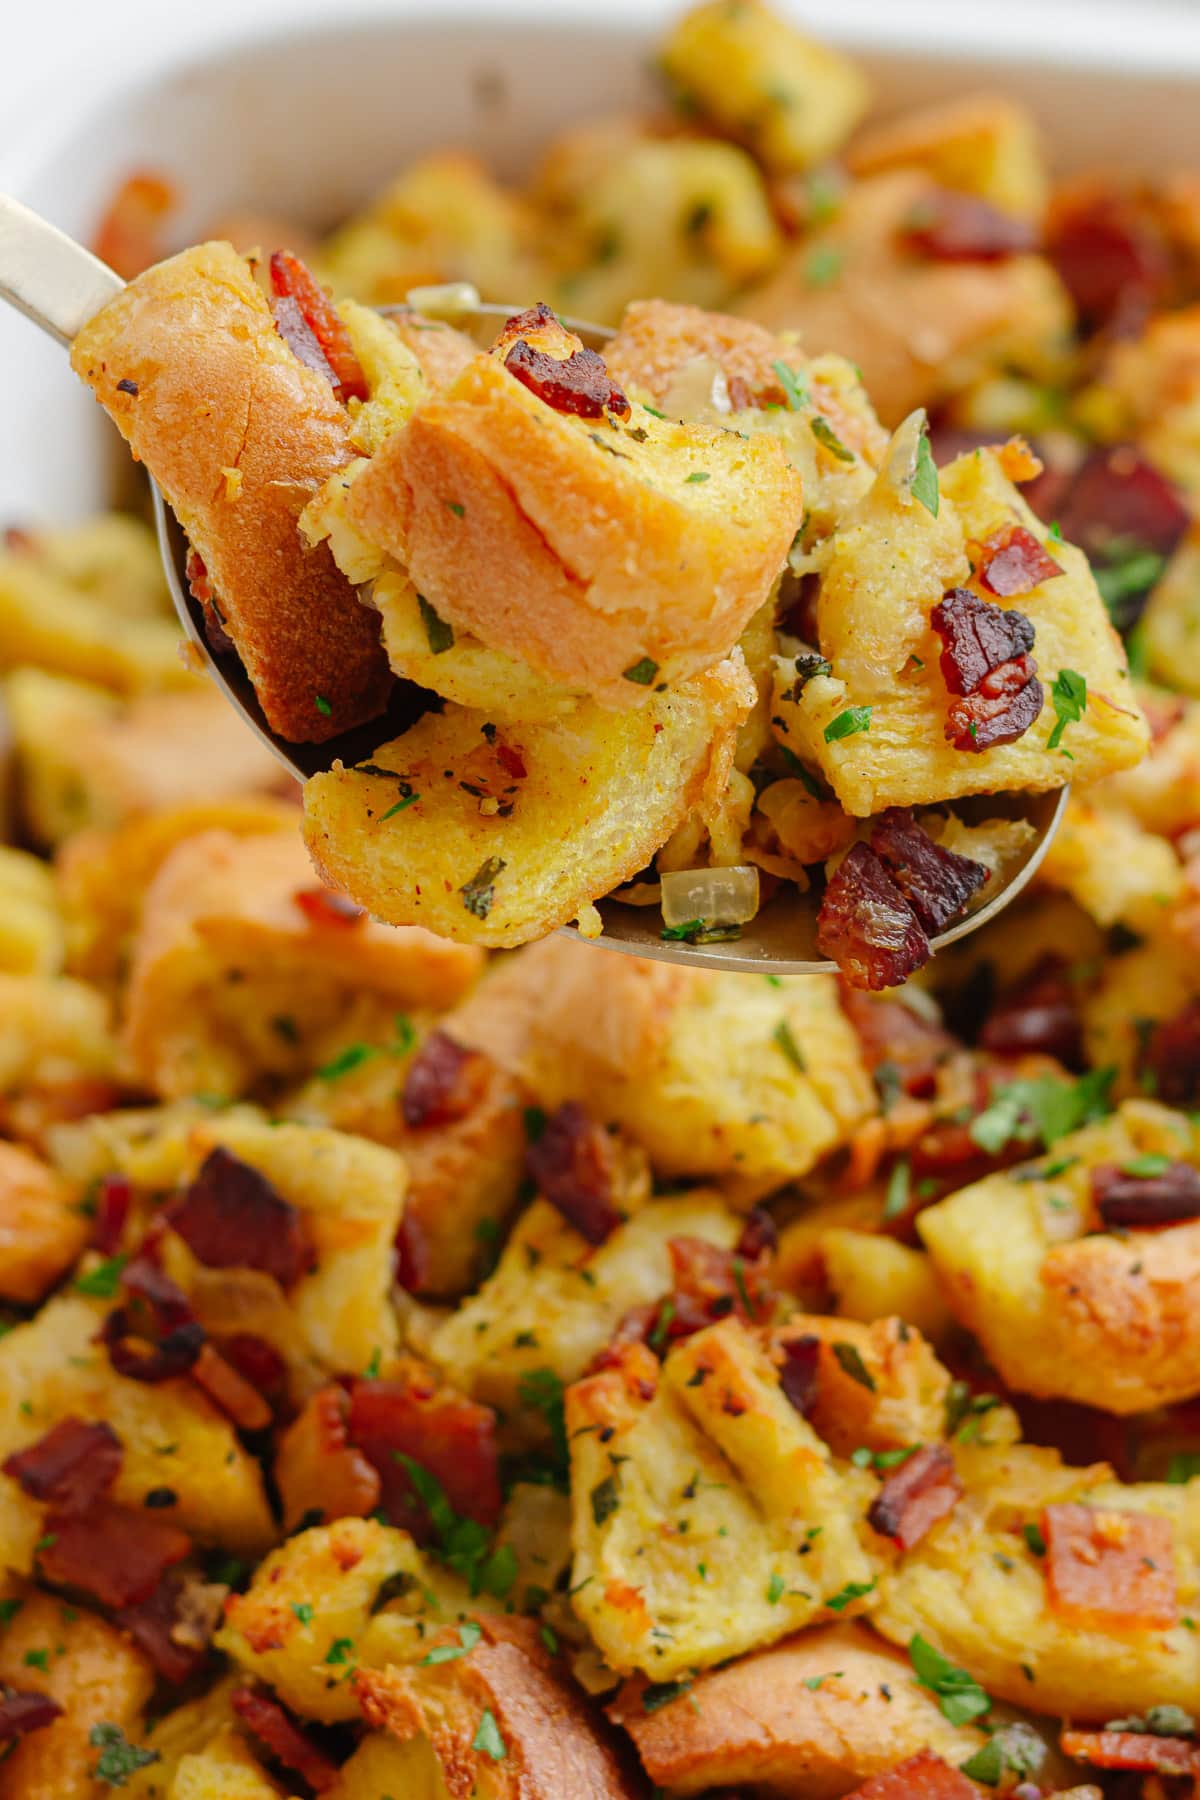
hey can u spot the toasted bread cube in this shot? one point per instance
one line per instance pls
(1170, 626)
(881, 578)
(984, 144)
(1119, 873)
(1136, 990)
(185, 1731)
(173, 1436)
(487, 855)
(976, 1590)
(719, 370)
(42, 1226)
(697, 1067)
(817, 1713)
(224, 1770)
(1163, 791)
(554, 1301)
(87, 758)
(633, 212)
(920, 330)
(520, 524)
(58, 1056)
(792, 99)
(195, 326)
(697, 1495)
(1064, 1310)
(903, 1399)
(1149, 388)
(96, 1675)
(86, 604)
(225, 949)
(380, 1765)
(31, 925)
(873, 1277)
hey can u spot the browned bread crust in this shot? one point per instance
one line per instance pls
(239, 435)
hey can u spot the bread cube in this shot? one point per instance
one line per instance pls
(792, 99)
(380, 1765)
(708, 1517)
(1162, 793)
(112, 559)
(52, 1368)
(88, 758)
(885, 568)
(1117, 872)
(225, 1769)
(42, 1225)
(93, 1671)
(237, 470)
(186, 1731)
(520, 524)
(872, 1277)
(1170, 626)
(1134, 992)
(984, 144)
(1148, 388)
(235, 936)
(1065, 1310)
(921, 330)
(976, 1590)
(508, 838)
(31, 925)
(58, 1057)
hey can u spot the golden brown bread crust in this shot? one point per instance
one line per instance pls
(554, 1746)
(759, 1721)
(442, 352)
(240, 435)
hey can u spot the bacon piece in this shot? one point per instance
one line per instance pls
(292, 280)
(257, 1362)
(219, 640)
(128, 237)
(1040, 1014)
(1110, 258)
(443, 1082)
(163, 1625)
(937, 883)
(985, 661)
(954, 227)
(710, 1283)
(1141, 1201)
(760, 1235)
(866, 926)
(413, 1254)
(115, 1554)
(1171, 1057)
(114, 1198)
(572, 1166)
(323, 906)
(154, 1335)
(231, 1217)
(1138, 1750)
(579, 384)
(1002, 709)
(450, 1436)
(922, 1777)
(892, 1033)
(226, 1389)
(1117, 497)
(922, 1490)
(1109, 1570)
(267, 1721)
(21, 1713)
(801, 1368)
(70, 1467)
(1013, 561)
(318, 1469)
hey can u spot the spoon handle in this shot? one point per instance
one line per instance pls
(48, 276)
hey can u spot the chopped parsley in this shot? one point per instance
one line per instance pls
(697, 475)
(825, 435)
(542, 1391)
(850, 1361)
(959, 1695)
(462, 1544)
(340, 1650)
(848, 723)
(776, 1589)
(488, 1739)
(813, 1682)
(352, 1057)
(102, 1282)
(641, 672)
(1145, 1168)
(1183, 1466)
(468, 1636)
(785, 1038)
(36, 1659)
(118, 1759)
(1127, 575)
(1034, 1541)
(480, 891)
(303, 1612)
(371, 1372)
(1069, 695)
(457, 508)
(923, 482)
(899, 1189)
(438, 631)
(1166, 1720)
(824, 266)
(408, 797)
(606, 1498)
(863, 1458)
(1046, 1109)
(322, 705)
(794, 385)
(853, 1590)
(661, 1693)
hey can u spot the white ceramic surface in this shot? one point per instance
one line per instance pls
(311, 121)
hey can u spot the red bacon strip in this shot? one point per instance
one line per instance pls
(231, 1217)
(1040, 1014)
(21, 1713)
(450, 1436)
(304, 311)
(866, 926)
(573, 1168)
(954, 227)
(114, 1198)
(800, 1372)
(985, 662)
(937, 883)
(170, 1625)
(922, 1490)
(443, 1082)
(1171, 1057)
(1013, 561)
(891, 1032)
(274, 1728)
(1138, 1202)
(579, 384)
(70, 1467)
(1137, 1750)
(248, 1409)
(153, 1335)
(115, 1554)
(922, 1777)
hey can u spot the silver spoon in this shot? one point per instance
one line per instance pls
(59, 285)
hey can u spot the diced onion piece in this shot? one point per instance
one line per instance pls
(714, 896)
(900, 457)
(449, 300)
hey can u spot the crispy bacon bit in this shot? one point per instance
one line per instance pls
(801, 1368)
(444, 1081)
(916, 1495)
(318, 1469)
(292, 282)
(866, 926)
(154, 1334)
(1142, 1201)
(1171, 1058)
(225, 1388)
(322, 906)
(450, 1436)
(1118, 499)
(231, 1217)
(955, 227)
(985, 661)
(894, 1034)
(579, 384)
(257, 1362)
(937, 883)
(760, 1235)
(1110, 258)
(267, 1721)
(1013, 561)
(1040, 1014)
(1138, 1750)
(1109, 1570)
(114, 1198)
(219, 640)
(70, 1467)
(413, 1260)
(165, 1624)
(129, 234)
(115, 1554)
(573, 1168)
(710, 1283)
(21, 1713)
(922, 1777)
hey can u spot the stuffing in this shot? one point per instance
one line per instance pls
(1170, 625)
(1117, 872)
(43, 1226)
(870, 1275)
(983, 144)
(31, 924)
(58, 1057)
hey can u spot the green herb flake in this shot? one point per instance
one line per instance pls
(549, 1638)
(784, 1038)
(303, 1612)
(406, 800)
(826, 436)
(9, 1610)
(1147, 1167)
(438, 631)
(102, 1282)
(606, 1498)
(352, 1057)
(853, 1590)
(1184, 1466)
(850, 1361)
(697, 475)
(661, 1693)
(813, 1682)
(340, 1650)
(923, 483)
(371, 1372)
(1069, 696)
(959, 1695)
(848, 723)
(468, 1636)
(480, 891)
(794, 385)
(322, 705)
(487, 1739)
(987, 1764)
(823, 266)
(1034, 1541)
(899, 1189)
(36, 1659)
(642, 672)
(118, 1759)
(1045, 1109)
(776, 1589)
(457, 508)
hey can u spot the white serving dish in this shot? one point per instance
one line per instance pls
(308, 122)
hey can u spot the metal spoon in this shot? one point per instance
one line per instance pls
(59, 285)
